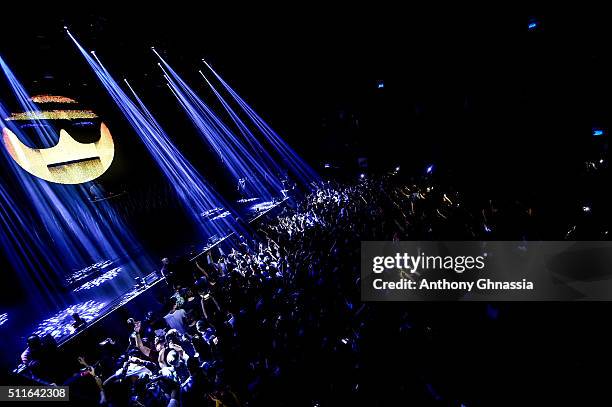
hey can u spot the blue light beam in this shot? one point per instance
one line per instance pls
(296, 165)
(191, 188)
(242, 161)
(79, 232)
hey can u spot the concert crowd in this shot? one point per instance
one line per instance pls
(276, 316)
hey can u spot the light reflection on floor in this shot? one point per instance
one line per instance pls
(86, 272)
(211, 212)
(221, 215)
(264, 206)
(61, 324)
(245, 200)
(109, 275)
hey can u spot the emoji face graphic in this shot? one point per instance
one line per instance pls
(69, 161)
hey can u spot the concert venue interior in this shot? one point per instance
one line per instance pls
(184, 196)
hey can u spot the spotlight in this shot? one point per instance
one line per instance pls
(380, 84)
(362, 175)
(296, 165)
(397, 168)
(92, 52)
(586, 209)
(598, 132)
(429, 169)
(66, 27)
(327, 165)
(601, 161)
(532, 25)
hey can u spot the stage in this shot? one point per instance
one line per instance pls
(98, 290)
